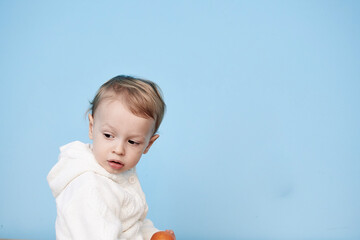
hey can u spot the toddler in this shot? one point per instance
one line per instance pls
(97, 192)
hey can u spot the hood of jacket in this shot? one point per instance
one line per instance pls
(75, 159)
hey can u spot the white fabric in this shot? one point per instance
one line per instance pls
(94, 204)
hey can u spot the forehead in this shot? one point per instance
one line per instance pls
(113, 111)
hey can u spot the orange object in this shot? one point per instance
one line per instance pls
(162, 235)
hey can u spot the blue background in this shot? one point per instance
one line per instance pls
(261, 139)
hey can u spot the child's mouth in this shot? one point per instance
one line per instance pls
(115, 164)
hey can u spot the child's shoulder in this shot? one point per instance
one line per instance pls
(101, 184)
(91, 181)
(94, 189)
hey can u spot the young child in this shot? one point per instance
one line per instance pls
(98, 194)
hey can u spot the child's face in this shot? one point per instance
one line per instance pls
(119, 137)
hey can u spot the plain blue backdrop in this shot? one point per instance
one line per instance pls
(261, 139)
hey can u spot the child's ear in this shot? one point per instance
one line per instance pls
(152, 140)
(91, 125)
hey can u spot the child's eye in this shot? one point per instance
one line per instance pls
(133, 142)
(107, 135)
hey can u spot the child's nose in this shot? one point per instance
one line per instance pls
(119, 148)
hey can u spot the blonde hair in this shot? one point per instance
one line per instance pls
(142, 97)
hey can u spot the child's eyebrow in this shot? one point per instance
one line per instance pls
(138, 136)
(106, 125)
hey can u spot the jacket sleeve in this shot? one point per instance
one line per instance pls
(148, 229)
(86, 216)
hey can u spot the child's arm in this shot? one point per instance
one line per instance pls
(84, 215)
(84, 222)
(148, 229)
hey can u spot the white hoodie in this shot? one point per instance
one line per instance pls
(94, 204)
